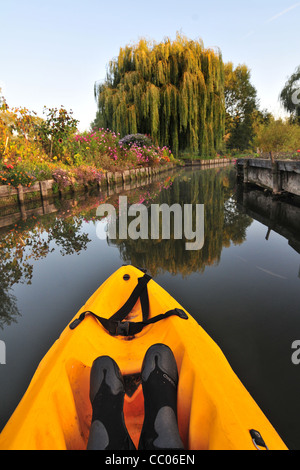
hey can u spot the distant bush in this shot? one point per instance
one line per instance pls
(278, 136)
(138, 139)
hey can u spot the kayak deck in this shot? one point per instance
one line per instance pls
(215, 411)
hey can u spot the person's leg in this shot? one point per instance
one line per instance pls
(108, 430)
(160, 380)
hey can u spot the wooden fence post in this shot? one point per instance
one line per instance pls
(20, 194)
(276, 177)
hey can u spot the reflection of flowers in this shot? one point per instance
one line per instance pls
(167, 183)
(34, 239)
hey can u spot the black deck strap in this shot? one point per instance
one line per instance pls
(115, 324)
(140, 291)
(105, 322)
(119, 328)
(144, 298)
(136, 327)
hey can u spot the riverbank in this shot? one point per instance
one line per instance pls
(50, 188)
(278, 176)
(43, 190)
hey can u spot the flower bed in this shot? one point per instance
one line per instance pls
(85, 159)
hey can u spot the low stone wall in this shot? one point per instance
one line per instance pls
(207, 163)
(277, 214)
(11, 214)
(44, 190)
(47, 189)
(279, 176)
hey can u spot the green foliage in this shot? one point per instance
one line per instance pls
(172, 91)
(56, 130)
(17, 134)
(14, 176)
(241, 107)
(290, 96)
(278, 136)
(103, 149)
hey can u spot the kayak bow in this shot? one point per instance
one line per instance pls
(123, 318)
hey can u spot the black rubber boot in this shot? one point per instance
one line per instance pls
(108, 430)
(160, 380)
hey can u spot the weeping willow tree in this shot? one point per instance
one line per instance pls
(290, 96)
(172, 91)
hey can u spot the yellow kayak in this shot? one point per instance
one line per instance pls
(215, 411)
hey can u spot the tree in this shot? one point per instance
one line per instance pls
(290, 96)
(278, 136)
(241, 106)
(56, 129)
(172, 91)
(17, 130)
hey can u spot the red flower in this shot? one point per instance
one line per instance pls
(298, 151)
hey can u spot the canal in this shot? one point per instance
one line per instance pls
(243, 286)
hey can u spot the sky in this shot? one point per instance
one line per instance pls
(53, 51)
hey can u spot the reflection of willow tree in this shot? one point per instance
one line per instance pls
(223, 224)
(21, 246)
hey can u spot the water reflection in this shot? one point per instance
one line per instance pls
(28, 236)
(252, 314)
(229, 211)
(279, 215)
(63, 228)
(24, 244)
(224, 224)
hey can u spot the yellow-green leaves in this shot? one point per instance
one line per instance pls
(173, 91)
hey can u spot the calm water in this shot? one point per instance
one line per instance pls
(243, 286)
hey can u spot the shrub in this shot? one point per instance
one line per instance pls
(278, 136)
(87, 174)
(55, 131)
(14, 176)
(138, 139)
(62, 178)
